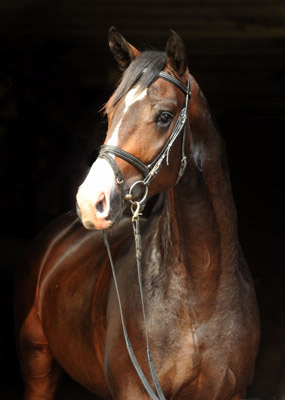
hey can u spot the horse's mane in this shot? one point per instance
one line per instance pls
(151, 61)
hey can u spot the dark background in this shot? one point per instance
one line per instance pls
(56, 72)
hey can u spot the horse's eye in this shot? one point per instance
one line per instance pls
(164, 119)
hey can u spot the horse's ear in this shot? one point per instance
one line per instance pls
(176, 54)
(123, 51)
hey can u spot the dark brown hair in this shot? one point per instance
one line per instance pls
(144, 70)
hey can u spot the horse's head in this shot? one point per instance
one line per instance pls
(146, 119)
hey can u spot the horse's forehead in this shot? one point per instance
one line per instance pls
(153, 94)
(134, 95)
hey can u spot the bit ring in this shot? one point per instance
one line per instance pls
(129, 194)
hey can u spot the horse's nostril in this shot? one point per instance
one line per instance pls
(100, 206)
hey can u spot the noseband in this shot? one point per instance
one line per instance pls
(151, 170)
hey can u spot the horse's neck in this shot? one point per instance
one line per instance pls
(199, 211)
(203, 217)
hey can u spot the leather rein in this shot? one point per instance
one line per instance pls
(149, 172)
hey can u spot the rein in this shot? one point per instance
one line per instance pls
(137, 236)
(149, 172)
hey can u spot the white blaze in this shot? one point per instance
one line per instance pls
(131, 98)
(100, 180)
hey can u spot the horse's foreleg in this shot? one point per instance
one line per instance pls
(39, 369)
(40, 373)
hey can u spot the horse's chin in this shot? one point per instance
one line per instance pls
(103, 224)
(112, 220)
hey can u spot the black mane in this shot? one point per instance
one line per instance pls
(144, 70)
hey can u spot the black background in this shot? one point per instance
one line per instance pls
(56, 72)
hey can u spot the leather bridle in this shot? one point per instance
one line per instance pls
(151, 170)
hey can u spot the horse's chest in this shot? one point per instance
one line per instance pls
(186, 338)
(182, 360)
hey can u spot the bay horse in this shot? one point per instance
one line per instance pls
(162, 152)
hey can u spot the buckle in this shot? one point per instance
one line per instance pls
(183, 165)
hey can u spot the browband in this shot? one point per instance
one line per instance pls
(175, 82)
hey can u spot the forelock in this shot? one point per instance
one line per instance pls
(143, 71)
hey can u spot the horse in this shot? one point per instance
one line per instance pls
(163, 164)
